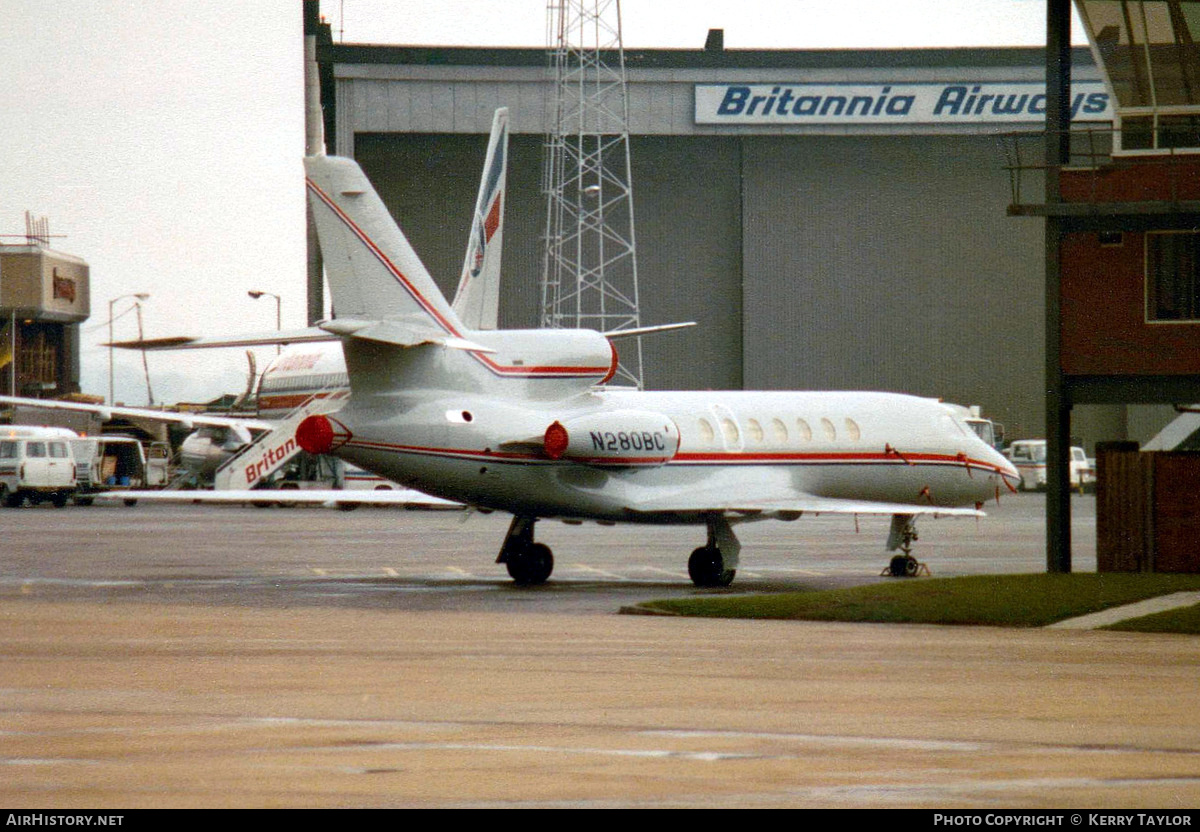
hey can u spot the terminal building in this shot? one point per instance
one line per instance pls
(831, 219)
(44, 296)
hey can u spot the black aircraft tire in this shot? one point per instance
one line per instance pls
(706, 568)
(531, 565)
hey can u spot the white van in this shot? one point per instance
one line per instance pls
(1029, 456)
(36, 464)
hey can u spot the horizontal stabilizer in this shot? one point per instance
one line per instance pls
(647, 330)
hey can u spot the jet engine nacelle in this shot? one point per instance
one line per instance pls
(618, 437)
(206, 450)
(578, 356)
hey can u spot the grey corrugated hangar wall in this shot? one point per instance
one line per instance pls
(888, 263)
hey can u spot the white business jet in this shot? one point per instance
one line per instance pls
(520, 420)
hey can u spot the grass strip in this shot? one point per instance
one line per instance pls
(992, 600)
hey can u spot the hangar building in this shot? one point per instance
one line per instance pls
(832, 219)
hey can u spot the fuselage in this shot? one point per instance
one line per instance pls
(839, 445)
(299, 373)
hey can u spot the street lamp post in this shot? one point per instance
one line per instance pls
(254, 293)
(140, 296)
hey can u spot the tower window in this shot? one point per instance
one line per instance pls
(1173, 276)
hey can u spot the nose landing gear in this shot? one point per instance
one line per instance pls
(901, 537)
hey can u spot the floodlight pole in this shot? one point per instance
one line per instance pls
(278, 310)
(111, 303)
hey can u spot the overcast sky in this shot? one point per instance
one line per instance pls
(163, 138)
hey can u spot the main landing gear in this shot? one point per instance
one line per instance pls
(715, 563)
(528, 563)
(902, 536)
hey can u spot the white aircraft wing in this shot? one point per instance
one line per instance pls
(105, 412)
(742, 498)
(300, 496)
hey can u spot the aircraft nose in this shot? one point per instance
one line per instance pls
(1006, 469)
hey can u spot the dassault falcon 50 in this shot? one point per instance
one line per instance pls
(521, 421)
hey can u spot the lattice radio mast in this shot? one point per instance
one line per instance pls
(589, 269)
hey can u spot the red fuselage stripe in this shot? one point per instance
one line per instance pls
(694, 458)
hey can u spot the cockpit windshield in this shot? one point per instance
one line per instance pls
(984, 430)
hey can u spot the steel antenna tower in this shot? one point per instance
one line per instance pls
(589, 267)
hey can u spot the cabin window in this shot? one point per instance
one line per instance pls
(803, 431)
(754, 429)
(779, 432)
(730, 429)
(58, 450)
(36, 450)
(707, 434)
(1173, 276)
(853, 431)
(828, 429)
(8, 450)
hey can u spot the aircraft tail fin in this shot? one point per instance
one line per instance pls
(477, 300)
(373, 271)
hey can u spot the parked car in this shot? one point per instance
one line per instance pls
(1029, 457)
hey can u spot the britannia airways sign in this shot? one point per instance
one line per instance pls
(940, 103)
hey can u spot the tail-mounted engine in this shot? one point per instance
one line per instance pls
(618, 438)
